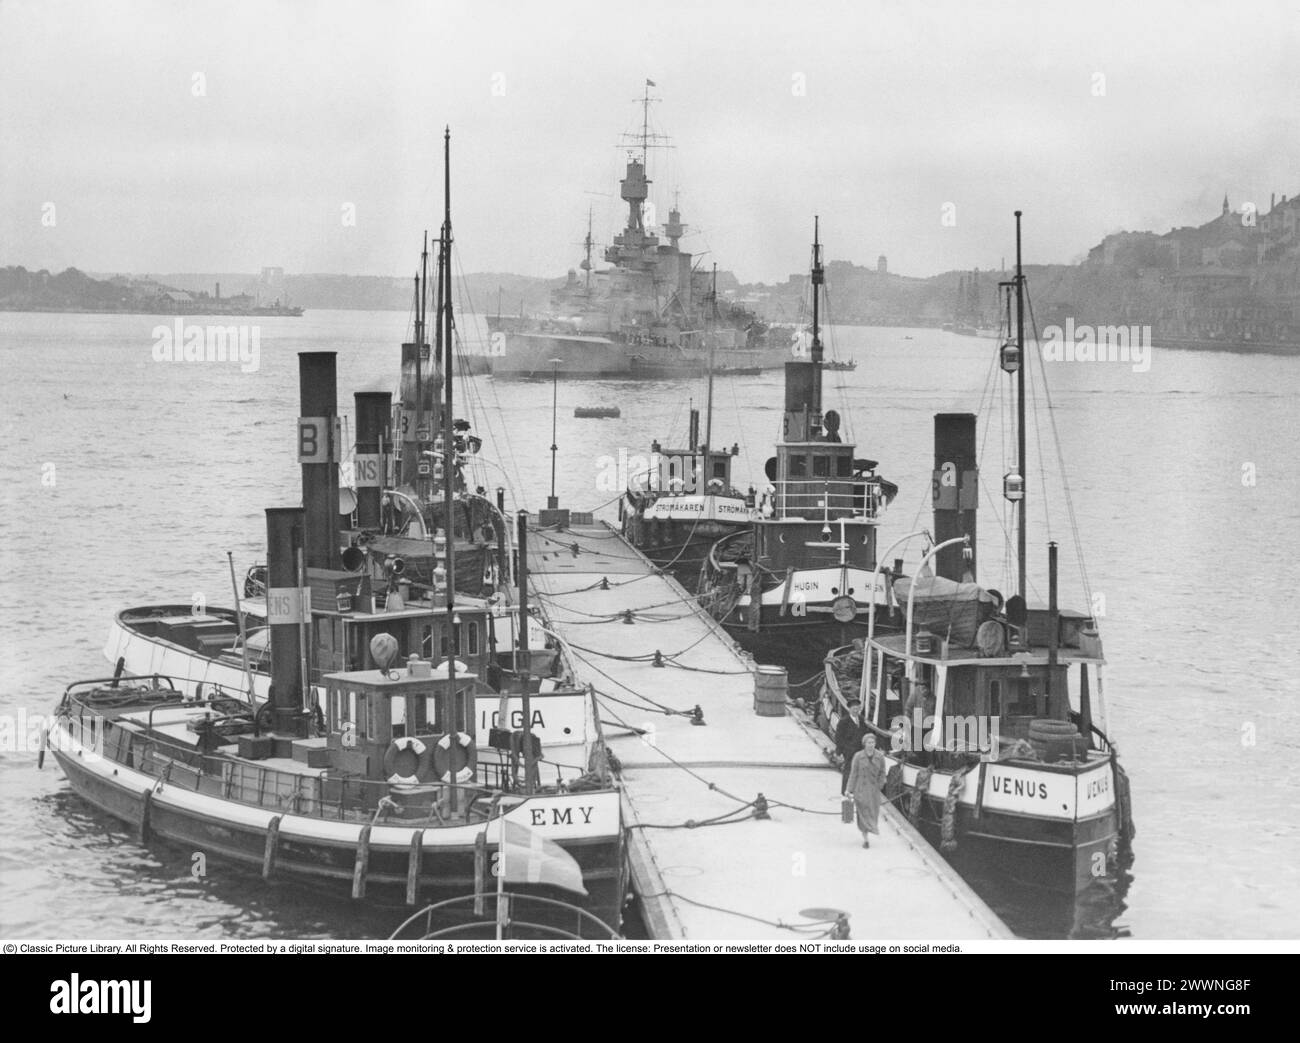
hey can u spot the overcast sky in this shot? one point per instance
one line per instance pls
(225, 136)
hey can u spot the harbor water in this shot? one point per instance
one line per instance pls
(129, 478)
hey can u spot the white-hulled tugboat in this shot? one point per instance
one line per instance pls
(391, 779)
(343, 769)
(799, 582)
(395, 790)
(990, 714)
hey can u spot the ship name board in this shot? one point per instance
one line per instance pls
(516, 719)
(1019, 787)
(560, 816)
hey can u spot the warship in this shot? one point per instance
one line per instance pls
(644, 316)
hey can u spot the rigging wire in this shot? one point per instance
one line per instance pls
(1065, 481)
(516, 485)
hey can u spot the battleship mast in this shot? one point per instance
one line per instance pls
(586, 261)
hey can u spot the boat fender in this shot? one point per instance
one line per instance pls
(894, 785)
(451, 757)
(423, 756)
(948, 830)
(916, 799)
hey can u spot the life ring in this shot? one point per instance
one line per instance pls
(454, 758)
(408, 752)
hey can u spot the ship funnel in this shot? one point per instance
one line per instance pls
(318, 453)
(801, 396)
(286, 606)
(955, 492)
(374, 444)
(421, 383)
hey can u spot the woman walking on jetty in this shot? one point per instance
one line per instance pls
(866, 777)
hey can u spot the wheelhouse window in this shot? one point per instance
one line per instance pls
(371, 726)
(821, 466)
(417, 714)
(798, 466)
(343, 709)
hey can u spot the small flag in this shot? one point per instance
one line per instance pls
(651, 83)
(529, 858)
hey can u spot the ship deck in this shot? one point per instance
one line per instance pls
(731, 875)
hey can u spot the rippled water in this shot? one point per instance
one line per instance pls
(159, 468)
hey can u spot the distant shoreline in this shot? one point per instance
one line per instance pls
(288, 313)
(1279, 348)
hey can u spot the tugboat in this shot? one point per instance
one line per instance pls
(798, 582)
(392, 789)
(990, 712)
(390, 782)
(410, 522)
(642, 317)
(684, 500)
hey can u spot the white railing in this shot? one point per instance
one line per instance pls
(817, 498)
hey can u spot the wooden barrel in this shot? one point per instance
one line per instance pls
(770, 691)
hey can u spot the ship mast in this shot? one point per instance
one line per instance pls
(448, 439)
(711, 332)
(645, 122)
(818, 278)
(445, 336)
(1020, 413)
(421, 311)
(586, 263)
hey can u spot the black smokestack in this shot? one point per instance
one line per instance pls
(284, 539)
(800, 400)
(956, 492)
(374, 410)
(318, 454)
(420, 384)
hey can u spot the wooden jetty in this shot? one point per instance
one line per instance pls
(711, 858)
